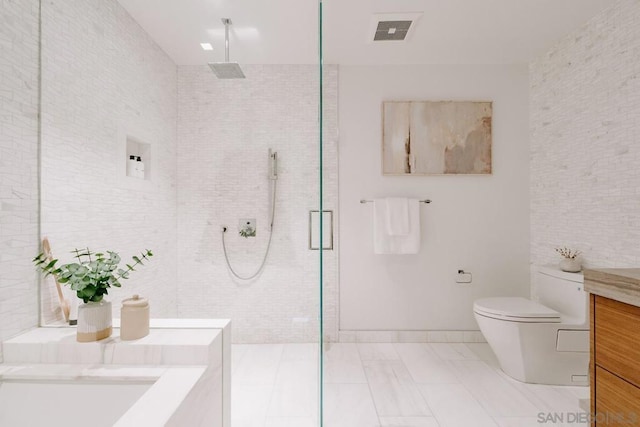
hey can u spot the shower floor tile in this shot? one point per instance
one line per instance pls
(276, 385)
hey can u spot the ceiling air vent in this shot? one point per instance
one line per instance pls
(392, 26)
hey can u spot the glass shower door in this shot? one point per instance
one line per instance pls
(232, 175)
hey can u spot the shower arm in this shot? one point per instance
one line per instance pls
(226, 22)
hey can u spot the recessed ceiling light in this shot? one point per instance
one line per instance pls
(206, 46)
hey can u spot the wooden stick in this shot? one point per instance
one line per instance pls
(64, 304)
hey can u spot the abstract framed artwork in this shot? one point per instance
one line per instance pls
(436, 137)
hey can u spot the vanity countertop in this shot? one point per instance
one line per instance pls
(620, 284)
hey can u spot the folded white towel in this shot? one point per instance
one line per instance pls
(397, 216)
(383, 242)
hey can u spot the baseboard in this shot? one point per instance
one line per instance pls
(411, 336)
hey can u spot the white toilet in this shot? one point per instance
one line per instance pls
(544, 342)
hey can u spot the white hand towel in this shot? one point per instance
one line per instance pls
(397, 216)
(383, 242)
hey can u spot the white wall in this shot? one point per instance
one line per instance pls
(104, 78)
(18, 165)
(585, 148)
(225, 129)
(476, 223)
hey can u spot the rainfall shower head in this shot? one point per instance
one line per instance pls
(226, 69)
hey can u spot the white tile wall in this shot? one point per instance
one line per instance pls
(18, 165)
(225, 129)
(585, 144)
(105, 78)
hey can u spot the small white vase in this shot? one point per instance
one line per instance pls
(94, 321)
(570, 265)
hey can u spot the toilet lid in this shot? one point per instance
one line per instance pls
(517, 308)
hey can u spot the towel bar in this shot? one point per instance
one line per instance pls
(371, 201)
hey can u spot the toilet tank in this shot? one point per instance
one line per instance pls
(563, 292)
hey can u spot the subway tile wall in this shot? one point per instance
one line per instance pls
(225, 129)
(585, 142)
(103, 80)
(18, 166)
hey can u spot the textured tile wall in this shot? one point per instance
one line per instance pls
(225, 129)
(18, 165)
(585, 143)
(103, 79)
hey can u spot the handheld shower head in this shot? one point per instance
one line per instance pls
(273, 164)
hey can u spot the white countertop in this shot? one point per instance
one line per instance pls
(158, 336)
(161, 347)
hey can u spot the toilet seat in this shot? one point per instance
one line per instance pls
(515, 309)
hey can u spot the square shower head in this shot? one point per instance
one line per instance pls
(227, 70)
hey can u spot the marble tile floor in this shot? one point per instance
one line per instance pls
(391, 385)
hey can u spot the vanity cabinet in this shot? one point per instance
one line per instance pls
(615, 346)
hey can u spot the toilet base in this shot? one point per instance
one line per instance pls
(528, 352)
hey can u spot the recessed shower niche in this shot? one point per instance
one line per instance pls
(138, 159)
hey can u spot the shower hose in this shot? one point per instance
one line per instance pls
(266, 253)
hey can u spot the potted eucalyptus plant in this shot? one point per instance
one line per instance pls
(91, 276)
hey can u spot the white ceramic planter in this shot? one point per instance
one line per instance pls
(571, 265)
(94, 321)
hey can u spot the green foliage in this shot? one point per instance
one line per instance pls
(247, 231)
(93, 273)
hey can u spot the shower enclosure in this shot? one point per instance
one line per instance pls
(149, 141)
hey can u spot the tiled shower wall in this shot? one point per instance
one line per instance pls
(18, 165)
(225, 129)
(585, 142)
(103, 79)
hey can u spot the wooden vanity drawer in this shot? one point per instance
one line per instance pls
(617, 401)
(617, 334)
